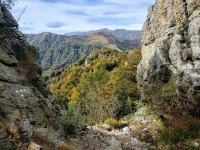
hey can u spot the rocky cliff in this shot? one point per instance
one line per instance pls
(28, 115)
(170, 68)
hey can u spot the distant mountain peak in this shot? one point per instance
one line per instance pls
(120, 33)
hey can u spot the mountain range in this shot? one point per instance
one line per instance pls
(120, 33)
(58, 50)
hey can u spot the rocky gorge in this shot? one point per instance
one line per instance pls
(168, 74)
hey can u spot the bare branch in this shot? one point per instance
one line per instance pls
(19, 17)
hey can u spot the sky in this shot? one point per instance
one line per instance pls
(64, 16)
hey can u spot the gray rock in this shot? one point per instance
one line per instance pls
(9, 74)
(26, 129)
(9, 20)
(3, 133)
(26, 108)
(2, 21)
(7, 59)
(126, 130)
(171, 52)
(2, 86)
(106, 127)
(114, 144)
(41, 86)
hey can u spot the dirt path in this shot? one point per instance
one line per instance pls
(99, 138)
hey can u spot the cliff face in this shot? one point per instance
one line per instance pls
(27, 112)
(170, 68)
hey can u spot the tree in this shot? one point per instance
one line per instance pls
(8, 3)
(105, 88)
(73, 99)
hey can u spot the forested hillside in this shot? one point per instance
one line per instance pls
(100, 86)
(58, 50)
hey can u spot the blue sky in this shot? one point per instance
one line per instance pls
(62, 16)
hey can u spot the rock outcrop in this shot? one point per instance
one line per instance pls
(28, 114)
(169, 71)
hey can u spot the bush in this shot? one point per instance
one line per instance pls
(27, 66)
(70, 119)
(181, 131)
(128, 117)
(115, 123)
(174, 135)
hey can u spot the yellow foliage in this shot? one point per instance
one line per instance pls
(89, 66)
(106, 90)
(101, 87)
(73, 99)
(69, 76)
(53, 88)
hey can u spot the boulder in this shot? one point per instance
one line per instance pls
(126, 130)
(114, 144)
(34, 146)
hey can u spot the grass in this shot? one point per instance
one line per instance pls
(115, 123)
(128, 117)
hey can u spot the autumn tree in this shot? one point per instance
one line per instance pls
(104, 88)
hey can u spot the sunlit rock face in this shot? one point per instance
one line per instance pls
(27, 111)
(170, 67)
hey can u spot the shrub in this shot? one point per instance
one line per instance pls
(174, 135)
(27, 66)
(128, 117)
(180, 131)
(70, 119)
(115, 123)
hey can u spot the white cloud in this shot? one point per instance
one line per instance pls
(80, 15)
(56, 24)
(26, 28)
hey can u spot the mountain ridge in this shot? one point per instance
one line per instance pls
(58, 50)
(121, 33)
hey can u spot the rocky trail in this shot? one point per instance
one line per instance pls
(139, 134)
(100, 138)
